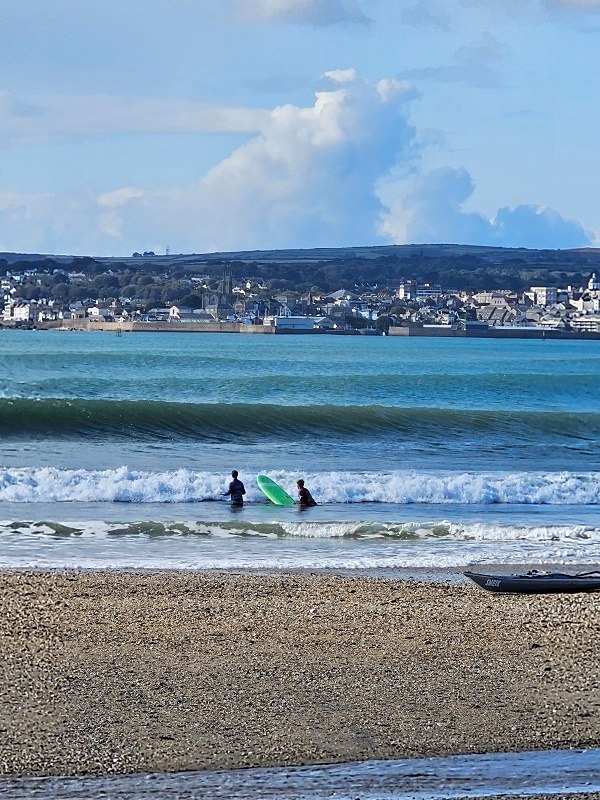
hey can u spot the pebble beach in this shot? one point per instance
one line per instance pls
(117, 672)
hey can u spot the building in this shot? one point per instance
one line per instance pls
(407, 290)
(184, 314)
(589, 322)
(497, 299)
(544, 295)
(18, 312)
(289, 322)
(428, 290)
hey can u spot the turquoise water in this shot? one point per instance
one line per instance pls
(420, 452)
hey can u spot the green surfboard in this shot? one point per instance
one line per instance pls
(274, 491)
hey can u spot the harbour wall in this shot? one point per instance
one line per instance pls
(445, 331)
(490, 333)
(88, 324)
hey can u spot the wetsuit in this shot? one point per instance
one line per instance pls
(305, 498)
(236, 492)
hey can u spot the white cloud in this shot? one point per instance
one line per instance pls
(42, 223)
(75, 115)
(307, 12)
(309, 179)
(313, 176)
(119, 197)
(341, 75)
(432, 211)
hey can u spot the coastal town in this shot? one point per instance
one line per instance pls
(48, 295)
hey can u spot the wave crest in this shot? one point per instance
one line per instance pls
(52, 484)
(217, 422)
(400, 531)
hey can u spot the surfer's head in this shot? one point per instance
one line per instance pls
(234, 473)
(300, 483)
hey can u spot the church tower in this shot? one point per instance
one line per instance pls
(226, 285)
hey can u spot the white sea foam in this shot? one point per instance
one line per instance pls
(278, 529)
(289, 545)
(52, 484)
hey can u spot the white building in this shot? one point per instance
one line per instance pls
(589, 322)
(17, 312)
(96, 312)
(543, 295)
(428, 290)
(290, 322)
(589, 302)
(407, 290)
(184, 314)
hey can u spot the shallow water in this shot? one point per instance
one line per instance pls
(364, 536)
(547, 772)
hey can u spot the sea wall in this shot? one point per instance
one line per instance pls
(427, 330)
(446, 331)
(89, 324)
(490, 333)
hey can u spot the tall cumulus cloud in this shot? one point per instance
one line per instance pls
(313, 176)
(309, 179)
(431, 210)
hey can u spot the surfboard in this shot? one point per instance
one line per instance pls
(274, 491)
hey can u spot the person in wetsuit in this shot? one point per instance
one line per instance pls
(236, 490)
(305, 498)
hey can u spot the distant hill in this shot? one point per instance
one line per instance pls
(452, 266)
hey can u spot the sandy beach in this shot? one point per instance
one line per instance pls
(112, 672)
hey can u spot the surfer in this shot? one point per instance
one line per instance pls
(305, 498)
(236, 490)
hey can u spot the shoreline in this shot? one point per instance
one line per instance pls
(446, 575)
(108, 672)
(534, 774)
(442, 331)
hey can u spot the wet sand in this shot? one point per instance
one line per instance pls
(111, 672)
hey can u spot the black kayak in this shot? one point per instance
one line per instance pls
(535, 582)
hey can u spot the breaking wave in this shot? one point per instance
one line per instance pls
(52, 484)
(401, 531)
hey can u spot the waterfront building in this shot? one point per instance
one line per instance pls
(296, 323)
(17, 312)
(587, 322)
(183, 314)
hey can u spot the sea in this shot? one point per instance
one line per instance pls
(425, 455)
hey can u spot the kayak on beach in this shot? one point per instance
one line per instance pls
(535, 582)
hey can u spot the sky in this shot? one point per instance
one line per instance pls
(219, 125)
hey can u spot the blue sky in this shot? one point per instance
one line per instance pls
(207, 125)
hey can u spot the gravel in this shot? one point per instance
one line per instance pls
(111, 672)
